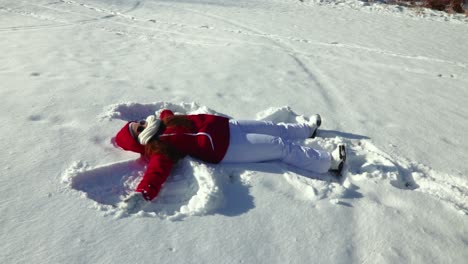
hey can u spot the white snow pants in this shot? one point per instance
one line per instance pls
(258, 141)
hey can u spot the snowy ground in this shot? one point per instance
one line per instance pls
(390, 82)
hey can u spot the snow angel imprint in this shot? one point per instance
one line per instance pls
(215, 139)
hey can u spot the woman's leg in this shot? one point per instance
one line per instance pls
(250, 147)
(282, 130)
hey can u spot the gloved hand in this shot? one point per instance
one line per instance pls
(133, 203)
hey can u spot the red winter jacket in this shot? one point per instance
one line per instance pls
(208, 141)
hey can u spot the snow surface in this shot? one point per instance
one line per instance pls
(390, 83)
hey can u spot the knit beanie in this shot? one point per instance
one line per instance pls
(152, 126)
(127, 141)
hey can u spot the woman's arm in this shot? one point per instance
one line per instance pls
(159, 168)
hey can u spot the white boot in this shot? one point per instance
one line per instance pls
(314, 122)
(338, 158)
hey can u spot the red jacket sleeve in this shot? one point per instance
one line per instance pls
(165, 113)
(159, 168)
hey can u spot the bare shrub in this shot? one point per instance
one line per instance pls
(449, 6)
(445, 5)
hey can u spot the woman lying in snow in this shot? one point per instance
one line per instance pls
(217, 139)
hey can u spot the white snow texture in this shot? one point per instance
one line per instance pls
(389, 82)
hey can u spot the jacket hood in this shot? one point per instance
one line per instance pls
(125, 140)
